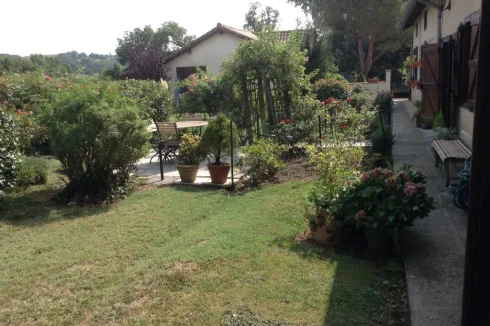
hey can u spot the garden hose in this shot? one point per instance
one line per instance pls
(462, 194)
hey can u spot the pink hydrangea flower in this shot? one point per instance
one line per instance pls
(30, 113)
(410, 189)
(19, 111)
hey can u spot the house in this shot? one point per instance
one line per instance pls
(445, 43)
(206, 52)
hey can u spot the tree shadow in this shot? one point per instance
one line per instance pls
(368, 288)
(33, 208)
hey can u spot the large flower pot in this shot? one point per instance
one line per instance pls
(188, 173)
(219, 173)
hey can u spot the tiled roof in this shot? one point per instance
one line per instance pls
(412, 12)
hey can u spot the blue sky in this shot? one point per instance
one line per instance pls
(54, 26)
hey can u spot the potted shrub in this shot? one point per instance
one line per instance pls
(216, 142)
(385, 201)
(189, 157)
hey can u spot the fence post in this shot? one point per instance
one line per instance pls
(161, 159)
(232, 156)
(320, 127)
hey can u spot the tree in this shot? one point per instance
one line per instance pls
(259, 22)
(143, 51)
(373, 23)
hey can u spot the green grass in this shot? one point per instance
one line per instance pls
(176, 256)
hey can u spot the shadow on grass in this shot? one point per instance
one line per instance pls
(368, 288)
(32, 208)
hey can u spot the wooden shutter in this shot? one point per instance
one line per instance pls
(430, 80)
(473, 62)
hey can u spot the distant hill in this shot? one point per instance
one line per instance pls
(73, 61)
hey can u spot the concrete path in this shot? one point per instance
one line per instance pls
(434, 248)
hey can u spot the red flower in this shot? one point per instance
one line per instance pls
(349, 100)
(328, 100)
(288, 120)
(31, 113)
(47, 78)
(19, 111)
(343, 126)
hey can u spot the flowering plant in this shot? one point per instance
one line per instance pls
(384, 199)
(202, 94)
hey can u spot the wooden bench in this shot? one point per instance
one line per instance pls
(449, 150)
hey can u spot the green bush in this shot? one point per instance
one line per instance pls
(9, 151)
(384, 102)
(383, 199)
(32, 171)
(98, 136)
(362, 99)
(216, 140)
(439, 121)
(382, 140)
(33, 139)
(335, 88)
(263, 160)
(153, 98)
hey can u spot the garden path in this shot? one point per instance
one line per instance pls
(434, 249)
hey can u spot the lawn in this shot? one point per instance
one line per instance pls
(182, 256)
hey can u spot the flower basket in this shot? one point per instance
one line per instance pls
(373, 80)
(327, 231)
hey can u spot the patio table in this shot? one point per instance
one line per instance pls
(183, 125)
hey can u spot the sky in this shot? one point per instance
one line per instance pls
(57, 26)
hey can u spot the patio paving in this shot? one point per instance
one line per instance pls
(151, 171)
(434, 249)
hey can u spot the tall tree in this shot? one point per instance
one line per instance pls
(260, 21)
(373, 23)
(143, 51)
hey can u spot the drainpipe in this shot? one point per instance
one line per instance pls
(439, 7)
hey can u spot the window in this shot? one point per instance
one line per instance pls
(184, 72)
(425, 20)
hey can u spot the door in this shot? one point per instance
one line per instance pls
(429, 80)
(447, 64)
(473, 63)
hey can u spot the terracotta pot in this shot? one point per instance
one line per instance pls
(329, 234)
(418, 121)
(188, 173)
(219, 173)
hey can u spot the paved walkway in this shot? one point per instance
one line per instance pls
(434, 247)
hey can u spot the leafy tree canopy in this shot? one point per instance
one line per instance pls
(373, 24)
(259, 21)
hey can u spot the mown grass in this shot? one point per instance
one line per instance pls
(177, 256)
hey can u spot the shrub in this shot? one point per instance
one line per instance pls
(263, 160)
(337, 166)
(153, 98)
(32, 171)
(9, 152)
(439, 121)
(331, 88)
(300, 128)
(362, 99)
(384, 102)
(446, 133)
(346, 123)
(217, 137)
(383, 199)
(190, 151)
(203, 94)
(382, 140)
(98, 136)
(33, 139)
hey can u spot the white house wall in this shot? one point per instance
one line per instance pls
(210, 53)
(451, 19)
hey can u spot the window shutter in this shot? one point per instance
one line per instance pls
(473, 63)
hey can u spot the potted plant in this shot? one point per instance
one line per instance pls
(385, 201)
(217, 143)
(189, 157)
(417, 114)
